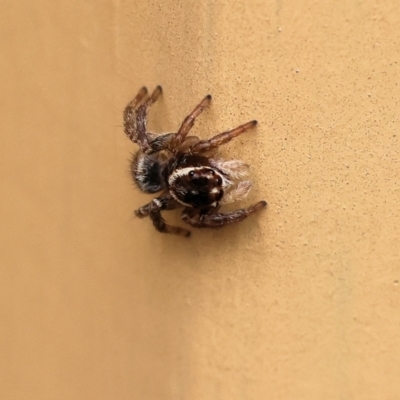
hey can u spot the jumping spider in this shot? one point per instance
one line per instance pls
(185, 169)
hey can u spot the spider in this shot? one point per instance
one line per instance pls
(186, 170)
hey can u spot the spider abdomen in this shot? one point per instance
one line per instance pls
(146, 171)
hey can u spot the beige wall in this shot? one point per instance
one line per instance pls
(300, 302)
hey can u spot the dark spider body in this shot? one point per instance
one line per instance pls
(184, 168)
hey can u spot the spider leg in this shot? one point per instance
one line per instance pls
(222, 138)
(160, 142)
(135, 117)
(188, 122)
(130, 114)
(207, 219)
(153, 210)
(138, 98)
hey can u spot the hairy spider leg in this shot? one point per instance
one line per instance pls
(130, 114)
(138, 98)
(135, 119)
(153, 210)
(221, 138)
(197, 219)
(188, 122)
(154, 96)
(141, 120)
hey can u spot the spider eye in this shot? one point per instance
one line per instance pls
(191, 174)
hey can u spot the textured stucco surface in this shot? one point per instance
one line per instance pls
(300, 302)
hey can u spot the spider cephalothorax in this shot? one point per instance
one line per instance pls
(186, 169)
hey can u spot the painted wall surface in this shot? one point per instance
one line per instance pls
(300, 302)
